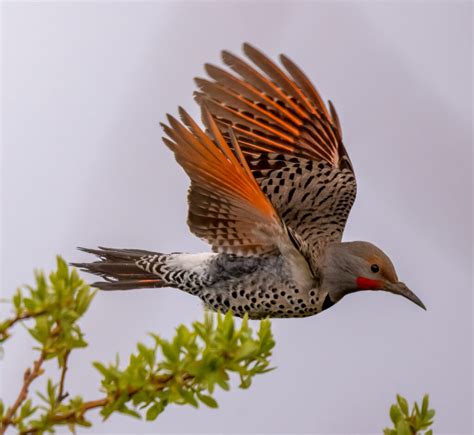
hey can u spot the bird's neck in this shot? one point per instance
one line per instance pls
(336, 272)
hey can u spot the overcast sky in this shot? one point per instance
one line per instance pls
(84, 88)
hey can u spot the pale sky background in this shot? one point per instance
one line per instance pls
(84, 88)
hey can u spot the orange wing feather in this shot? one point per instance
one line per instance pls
(226, 205)
(272, 110)
(290, 138)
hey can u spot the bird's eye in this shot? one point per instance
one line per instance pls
(374, 268)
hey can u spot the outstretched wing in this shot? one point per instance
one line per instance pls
(292, 142)
(226, 205)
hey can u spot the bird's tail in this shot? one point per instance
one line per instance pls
(125, 269)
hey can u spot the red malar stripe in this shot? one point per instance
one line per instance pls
(368, 284)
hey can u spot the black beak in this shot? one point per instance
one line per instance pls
(399, 288)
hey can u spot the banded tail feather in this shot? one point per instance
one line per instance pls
(122, 269)
(129, 269)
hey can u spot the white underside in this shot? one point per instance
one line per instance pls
(191, 262)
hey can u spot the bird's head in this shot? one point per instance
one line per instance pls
(355, 266)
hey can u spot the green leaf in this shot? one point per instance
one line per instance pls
(40, 332)
(101, 368)
(27, 410)
(30, 304)
(416, 409)
(42, 397)
(169, 351)
(424, 405)
(17, 299)
(246, 350)
(131, 412)
(62, 271)
(403, 404)
(188, 396)
(223, 384)
(51, 389)
(154, 411)
(395, 414)
(208, 401)
(106, 411)
(403, 428)
(184, 335)
(245, 382)
(228, 325)
(83, 299)
(41, 286)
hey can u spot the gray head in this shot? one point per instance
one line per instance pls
(353, 266)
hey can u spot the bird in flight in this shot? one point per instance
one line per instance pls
(271, 189)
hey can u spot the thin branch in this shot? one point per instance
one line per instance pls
(86, 406)
(7, 324)
(30, 375)
(75, 415)
(61, 394)
(71, 416)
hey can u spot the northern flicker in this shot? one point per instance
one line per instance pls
(271, 188)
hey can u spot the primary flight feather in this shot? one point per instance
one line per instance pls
(271, 189)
